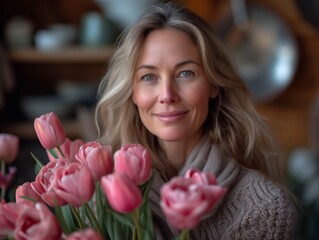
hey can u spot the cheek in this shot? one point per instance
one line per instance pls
(143, 99)
(198, 96)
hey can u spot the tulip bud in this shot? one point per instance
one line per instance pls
(37, 222)
(134, 161)
(74, 184)
(207, 180)
(97, 158)
(185, 201)
(44, 183)
(201, 177)
(49, 130)
(9, 146)
(9, 215)
(123, 195)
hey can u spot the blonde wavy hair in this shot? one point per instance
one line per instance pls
(233, 122)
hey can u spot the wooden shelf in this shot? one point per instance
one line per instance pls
(25, 129)
(74, 54)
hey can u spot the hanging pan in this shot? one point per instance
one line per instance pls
(264, 50)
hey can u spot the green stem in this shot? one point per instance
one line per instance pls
(137, 230)
(3, 188)
(184, 235)
(93, 219)
(77, 217)
(100, 209)
(134, 237)
(60, 151)
(98, 197)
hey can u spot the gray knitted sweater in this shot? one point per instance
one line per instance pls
(253, 208)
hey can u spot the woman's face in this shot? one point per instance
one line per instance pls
(171, 89)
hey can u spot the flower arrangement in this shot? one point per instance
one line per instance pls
(85, 191)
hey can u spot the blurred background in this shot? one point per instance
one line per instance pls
(54, 53)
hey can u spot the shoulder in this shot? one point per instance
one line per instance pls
(263, 207)
(262, 191)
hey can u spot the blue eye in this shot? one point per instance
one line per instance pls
(148, 77)
(186, 74)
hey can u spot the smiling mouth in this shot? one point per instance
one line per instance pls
(170, 116)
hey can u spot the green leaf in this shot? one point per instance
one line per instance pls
(67, 214)
(109, 224)
(121, 231)
(98, 198)
(125, 219)
(145, 213)
(38, 164)
(100, 208)
(146, 187)
(118, 226)
(37, 168)
(94, 222)
(60, 217)
(147, 221)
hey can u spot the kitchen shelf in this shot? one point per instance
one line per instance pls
(25, 129)
(72, 62)
(72, 54)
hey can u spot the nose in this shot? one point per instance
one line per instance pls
(168, 93)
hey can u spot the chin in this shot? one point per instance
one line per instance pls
(171, 137)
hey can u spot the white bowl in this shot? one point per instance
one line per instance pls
(124, 12)
(35, 106)
(76, 92)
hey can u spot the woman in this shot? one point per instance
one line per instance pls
(171, 88)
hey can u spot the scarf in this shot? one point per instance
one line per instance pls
(205, 157)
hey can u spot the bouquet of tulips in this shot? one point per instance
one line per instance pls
(84, 191)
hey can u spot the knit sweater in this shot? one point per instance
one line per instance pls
(253, 208)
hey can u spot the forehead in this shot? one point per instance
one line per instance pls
(168, 43)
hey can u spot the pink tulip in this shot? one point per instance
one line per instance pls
(25, 190)
(5, 180)
(123, 195)
(9, 147)
(97, 158)
(49, 130)
(74, 184)
(184, 201)
(9, 213)
(44, 183)
(133, 160)
(69, 148)
(37, 223)
(201, 177)
(87, 234)
(208, 180)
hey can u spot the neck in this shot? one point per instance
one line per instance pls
(178, 151)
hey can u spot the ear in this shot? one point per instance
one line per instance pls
(214, 91)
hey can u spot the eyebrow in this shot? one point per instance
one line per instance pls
(177, 65)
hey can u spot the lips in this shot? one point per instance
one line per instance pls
(171, 116)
